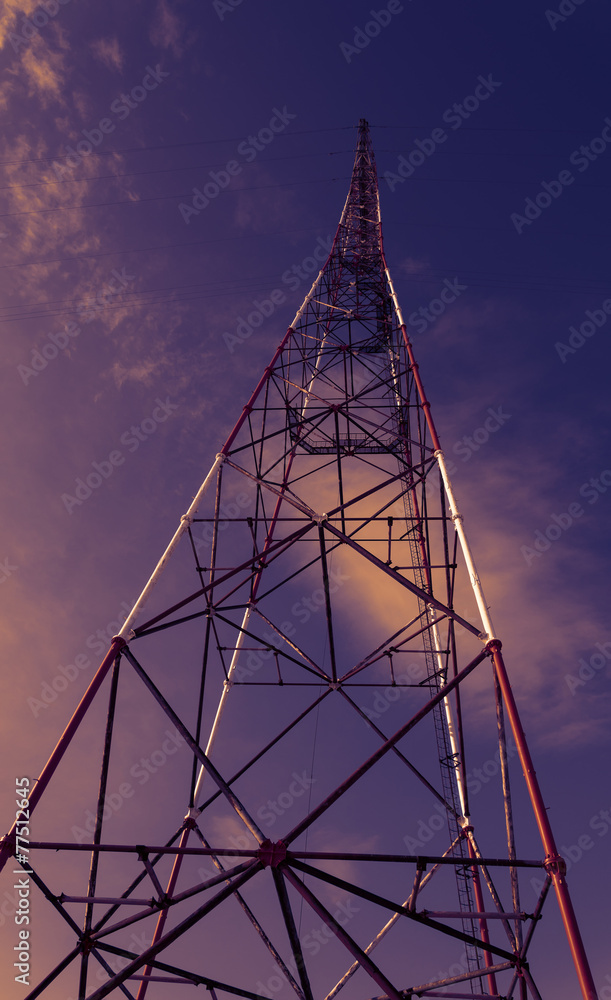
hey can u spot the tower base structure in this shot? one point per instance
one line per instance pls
(314, 662)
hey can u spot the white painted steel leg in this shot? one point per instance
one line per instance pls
(442, 674)
(306, 301)
(431, 611)
(466, 550)
(126, 632)
(227, 685)
(456, 516)
(394, 298)
(450, 721)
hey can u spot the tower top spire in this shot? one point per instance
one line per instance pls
(359, 233)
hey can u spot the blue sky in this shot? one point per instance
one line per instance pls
(172, 173)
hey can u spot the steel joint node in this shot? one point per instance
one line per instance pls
(554, 864)
(271, 855)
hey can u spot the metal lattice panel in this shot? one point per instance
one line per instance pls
(281, 842)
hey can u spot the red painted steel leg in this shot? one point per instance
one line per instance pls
(8, 842)
(163, 916)
(483, 923)
(554, 864)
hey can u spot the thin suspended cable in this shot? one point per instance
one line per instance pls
(173, 145)
(166, 197)
(163, 246)
(283, 232)
(166, 170)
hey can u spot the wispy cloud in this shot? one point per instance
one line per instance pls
(109, 53)
(12, 13)
(167, 29)
(45, 73)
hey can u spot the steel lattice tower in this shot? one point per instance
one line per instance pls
(303, 642)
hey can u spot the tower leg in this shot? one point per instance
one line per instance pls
(554, 864)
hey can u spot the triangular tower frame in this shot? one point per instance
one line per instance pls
(339, 450)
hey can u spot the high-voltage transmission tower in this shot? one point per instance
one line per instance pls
(312, 661)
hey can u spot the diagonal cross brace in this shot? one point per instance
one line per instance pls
(384, 748)
(197, 750)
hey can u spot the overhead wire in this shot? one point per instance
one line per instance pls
(163, 170)
(294, 132)
(196, 291)
(272, 159)
(172, 145)
(282, 232)
(168, 197)
(515, 182)
(290, 134)
(183, 244)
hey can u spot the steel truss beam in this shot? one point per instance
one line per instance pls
(351, 516)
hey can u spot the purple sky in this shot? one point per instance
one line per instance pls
(145, 221)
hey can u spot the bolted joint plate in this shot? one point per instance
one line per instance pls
(554, 864)
(271, 855)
